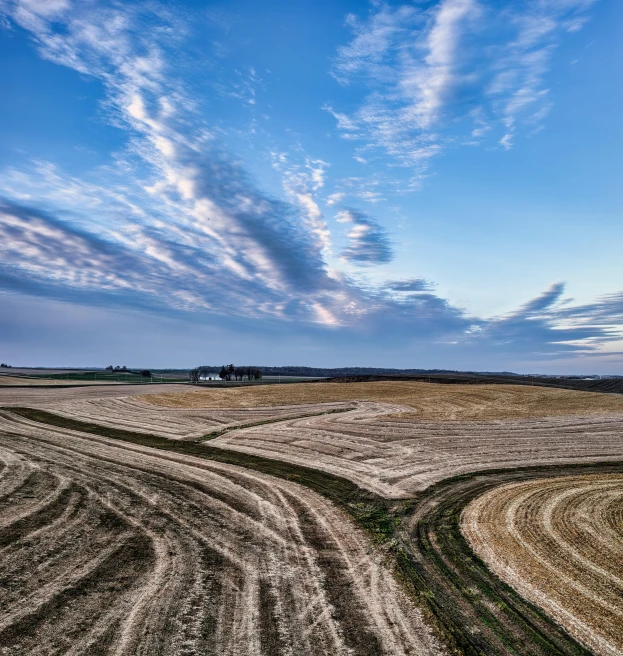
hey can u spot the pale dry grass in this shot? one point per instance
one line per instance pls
(115, 548)
(429, 402)
(559, 542)
(51, 382)
(399, 458)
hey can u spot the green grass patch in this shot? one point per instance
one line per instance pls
(221, 431)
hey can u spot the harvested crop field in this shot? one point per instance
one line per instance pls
(133, 413)
(559, 542)
(422, 401)
(19, 381)
(399, 459)
(126, 532)
(51, 395)
(112, 547)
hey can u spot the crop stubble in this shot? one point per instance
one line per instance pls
(399, 459)
(395, 458)
(415, 400)
(144, 552)
(559, 542)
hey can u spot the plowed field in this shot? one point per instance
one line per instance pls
(422, 401)
(398, 459)
(51, 395)
(114, 548)
(132, 413)
(559, 542)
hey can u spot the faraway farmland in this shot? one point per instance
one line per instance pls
(364, 518)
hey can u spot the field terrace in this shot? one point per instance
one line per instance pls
(429, 433)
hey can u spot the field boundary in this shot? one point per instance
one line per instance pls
(471, 610)
(223, 431)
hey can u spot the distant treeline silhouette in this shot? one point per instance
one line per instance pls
(226, 372)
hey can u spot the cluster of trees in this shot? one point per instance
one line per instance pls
(227, 372)
(144, 372)
(4, 365)
(239, 373)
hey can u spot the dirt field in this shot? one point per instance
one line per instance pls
(133, 413)
(559, 542)
(49, 395)
(43, 382)
(115, 548)
(368, 445)
(398, 459)
(423, 401)
(110, 547)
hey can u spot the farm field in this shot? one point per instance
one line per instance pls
(421, 401)
(53, 396)
(399, 459)
(559, 542)
(53, 382)
(134, 413)
(145, 552)
(332, 529)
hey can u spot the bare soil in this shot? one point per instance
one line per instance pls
(51, 395)
(399, 459)
(19, 381)
(422, 401)
(559, 542)
(115, 548)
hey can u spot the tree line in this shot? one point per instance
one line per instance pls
(227, 372)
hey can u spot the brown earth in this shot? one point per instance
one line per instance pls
(50, 395)
(47, 382)
(559, 543)
(114, 548)
(399, 458)
(423, 401)
(132, 412)
(373, 445)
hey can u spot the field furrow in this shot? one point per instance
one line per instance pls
(559, 542)
(149, 552)
(134, 413)
(398, 459)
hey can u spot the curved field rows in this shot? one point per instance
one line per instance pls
(421, 401)
(559, 542)
(33, 396)
(134, 414)
(397, 459)
(114, 548)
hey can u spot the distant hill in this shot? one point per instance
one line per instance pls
(332, 372)
(612, 385)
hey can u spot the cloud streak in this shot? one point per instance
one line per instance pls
(459, 71)
(176, 225)
(368, 241)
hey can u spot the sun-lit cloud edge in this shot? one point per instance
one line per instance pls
(187, 230)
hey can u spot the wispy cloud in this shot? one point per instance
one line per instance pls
(458, 71)
(410, 285)
(191, 191)
(368, 241)
(175, 223)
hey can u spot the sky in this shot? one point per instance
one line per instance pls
(385, 184)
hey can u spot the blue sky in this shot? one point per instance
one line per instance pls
(424, 184)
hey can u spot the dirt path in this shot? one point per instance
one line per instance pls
(114, 548)
(559, 542)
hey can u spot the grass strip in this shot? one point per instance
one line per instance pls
(370, 510)
(473, 611)
(222, 431)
